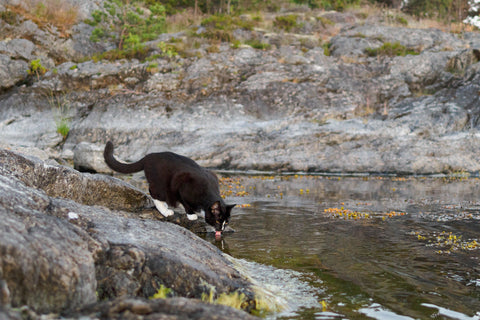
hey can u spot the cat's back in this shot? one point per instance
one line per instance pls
(173, 162)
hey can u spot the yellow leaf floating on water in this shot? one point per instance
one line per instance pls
(448, 242)
(324, 305)
(356, 215)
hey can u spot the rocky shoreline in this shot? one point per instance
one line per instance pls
(321, 98)
(66, 251)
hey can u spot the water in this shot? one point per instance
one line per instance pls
(362, 247)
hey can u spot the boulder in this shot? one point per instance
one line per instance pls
(68, 239)
(64, 182)
(44, 261)
(12, 71)
(88, 157)
(18, 49)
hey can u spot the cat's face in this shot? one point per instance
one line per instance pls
(218, 216)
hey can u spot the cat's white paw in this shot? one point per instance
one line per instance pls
(192, 217)
(163, 208)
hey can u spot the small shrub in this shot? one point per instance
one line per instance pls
(213, 49)
(441, 9)
(286, 23)
(325, 21)
(219, 35)
(391, 50)
(226, 22)
(152, 68)
(139, 52)
(9, 17)
(127, 25)
(63, 127)
(401, 20)
(326, 49)
(60, 105)
(167, 50)
(221, 27)
(256, 44)
(97, 34)
(36, 68)
(337, 5)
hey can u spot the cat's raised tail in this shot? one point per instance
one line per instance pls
(115, 165)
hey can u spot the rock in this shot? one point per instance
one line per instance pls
(59, 181)
(173, 308)
(4, 294)
(12, 71)
(18, 49)
(44, 261)
(74, 238)
(80, 45)
(88, 157)
(295, 106)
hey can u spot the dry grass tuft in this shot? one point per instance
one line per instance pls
(183, 20)
(61, 14)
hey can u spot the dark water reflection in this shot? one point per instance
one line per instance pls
(391, 262)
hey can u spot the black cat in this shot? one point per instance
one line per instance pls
(174, 179)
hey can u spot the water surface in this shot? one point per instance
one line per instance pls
(368, 247)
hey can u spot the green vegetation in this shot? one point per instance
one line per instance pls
(235, 299)
(167, 50)
(60, 105)
(286, 23)
(63, 127)
(455, 10)
(36, 68)
(238, 300)
(9, 17)
(140, 53)
(326, 49)
(256, 44)
(162, 293)
(128, 24)
(221, 27)
(400, 20)
(391, 50)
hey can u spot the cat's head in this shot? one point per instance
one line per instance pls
(218, 216)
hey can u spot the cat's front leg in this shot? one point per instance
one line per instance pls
(163, 208)
(191, 215)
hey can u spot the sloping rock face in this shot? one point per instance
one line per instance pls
(68, 239)
(298, 106)
(168, 309)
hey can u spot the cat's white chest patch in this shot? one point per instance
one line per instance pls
(163, 208)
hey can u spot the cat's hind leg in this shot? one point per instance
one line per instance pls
(163, 208)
